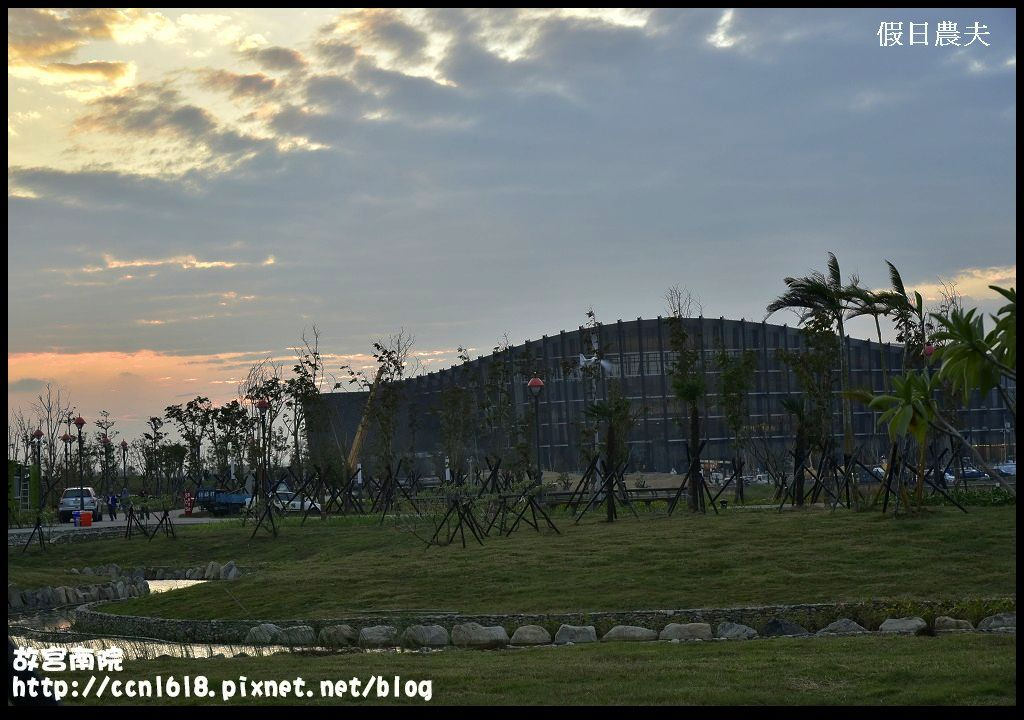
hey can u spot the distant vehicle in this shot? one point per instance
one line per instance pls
(78, 498)
(971, 473)
(878, 472)
(1008, 469)
(290, 502)
(221, 501)
(947, 476)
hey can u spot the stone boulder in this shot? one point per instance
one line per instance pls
(230, 571)
(429, 636)
(88, 571)
(1001, 622)
(629, 633)
(298, 635)
(265, 634)
(14, 599)
(944, 623)
(686, 631)
(474, 635)
(575, 634)
(337, 636)
(778, 627)
(904, 626)
(378, 636)
(531, 635)
(736, 631)
(212, 571)
(843, 626)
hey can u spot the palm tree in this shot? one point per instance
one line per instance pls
(824, 298)
(865, 302)
(907, 313)
(910, 409)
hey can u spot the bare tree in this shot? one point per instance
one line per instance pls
(683, 303)
(18, 429)
(52, 407)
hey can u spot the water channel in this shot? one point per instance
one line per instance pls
(54, 628)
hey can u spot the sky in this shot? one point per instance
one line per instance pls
(191, 190)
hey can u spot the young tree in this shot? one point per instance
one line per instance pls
(689, 384)
(826, 300)
(384, 395)
(154, 438)
(812, 412)
(736, 380)
(52, 407)
(618, 418)
(192, 421)
(105, 446)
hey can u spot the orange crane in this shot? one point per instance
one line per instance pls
(357, 441)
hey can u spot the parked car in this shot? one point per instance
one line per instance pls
(947, 476)
(1008, 469)
(78, 498)
(971, 473)
(290, 502)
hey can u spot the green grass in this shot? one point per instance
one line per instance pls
(962, 670)
(346, 565)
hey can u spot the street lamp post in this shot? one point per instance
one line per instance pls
(80, 423)
(536, 386)
(37, 437)
(66, 437)
(105, 442)
(263, 406)
(124, 462)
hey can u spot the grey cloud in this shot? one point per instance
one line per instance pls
(152, 109)
(335, 52)
(26, 385)
(236, 85)
(276, 58)
(404, 40)
(574, 176)
(43, 35)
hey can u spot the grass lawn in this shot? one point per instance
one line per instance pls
(351, 565)
(962, 669)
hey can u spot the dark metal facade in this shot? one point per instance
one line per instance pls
(640, 356)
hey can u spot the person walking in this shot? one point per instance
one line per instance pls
(112, 506)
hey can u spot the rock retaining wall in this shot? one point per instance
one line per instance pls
(209, 571)
(43, 598)
(813, 617)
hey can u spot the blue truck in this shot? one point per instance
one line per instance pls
(221, 501)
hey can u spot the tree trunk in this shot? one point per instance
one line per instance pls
(695, 483)
(844, 386)
(799, 463)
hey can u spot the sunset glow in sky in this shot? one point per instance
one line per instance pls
(188, 190)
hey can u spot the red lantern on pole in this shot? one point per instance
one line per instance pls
(535, 385)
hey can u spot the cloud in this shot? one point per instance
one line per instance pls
(26, 385)
(158, 110)
(335, 52)
(276, 58)
(41, 42)
(721, 37)
(236, 85)
(971, 283)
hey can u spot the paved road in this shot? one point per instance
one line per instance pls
(177, 516)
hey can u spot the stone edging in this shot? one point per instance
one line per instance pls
(61, 596)
(210, 571)
(813, 617)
